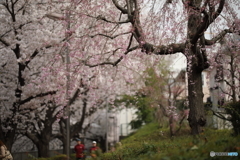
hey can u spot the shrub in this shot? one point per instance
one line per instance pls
(233, 109)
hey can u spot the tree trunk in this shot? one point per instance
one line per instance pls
(63, 138)
(43, 149)
(64, 141)
(9, 138)
(195, 97)
(196, 63)
(41, 141)
(171, 125)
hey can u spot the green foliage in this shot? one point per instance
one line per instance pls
(144, 111)
(152, 142)
(181, 104)
(155, 80)
(233, 109)
(148, 98)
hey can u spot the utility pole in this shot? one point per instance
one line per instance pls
(107, 126)
(67, 61)
(56, 17)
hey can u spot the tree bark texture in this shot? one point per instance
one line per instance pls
(195, 97)
(43, 149)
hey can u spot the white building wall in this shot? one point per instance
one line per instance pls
(205, 85)
(125, 116)
(216, 96)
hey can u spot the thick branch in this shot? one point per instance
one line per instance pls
(79, 124)
(218, 37)
(164, 50)
(74, 97)
(36, 96)
(210, 17)
(129, 8)
(219, 10)
(122, 9)
(138, 31)
(112, 63)
(32, 137)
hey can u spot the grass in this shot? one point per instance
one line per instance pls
(152, 142)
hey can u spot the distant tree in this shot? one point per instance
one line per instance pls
(228, 70)
(23, 54)
(226, 62)
(156, 99)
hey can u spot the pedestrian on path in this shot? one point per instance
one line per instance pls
(79, 148)
(94, 149)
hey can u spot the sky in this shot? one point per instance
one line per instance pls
(179, 62)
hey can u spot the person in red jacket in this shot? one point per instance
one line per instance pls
(93, 149)
(79, 148)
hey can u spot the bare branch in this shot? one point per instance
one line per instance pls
(111, 37)
(220, 115)
(6, 33)
(180, 124)
(4, 42)
(100, 17)
(35, 53)
(21, 8)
